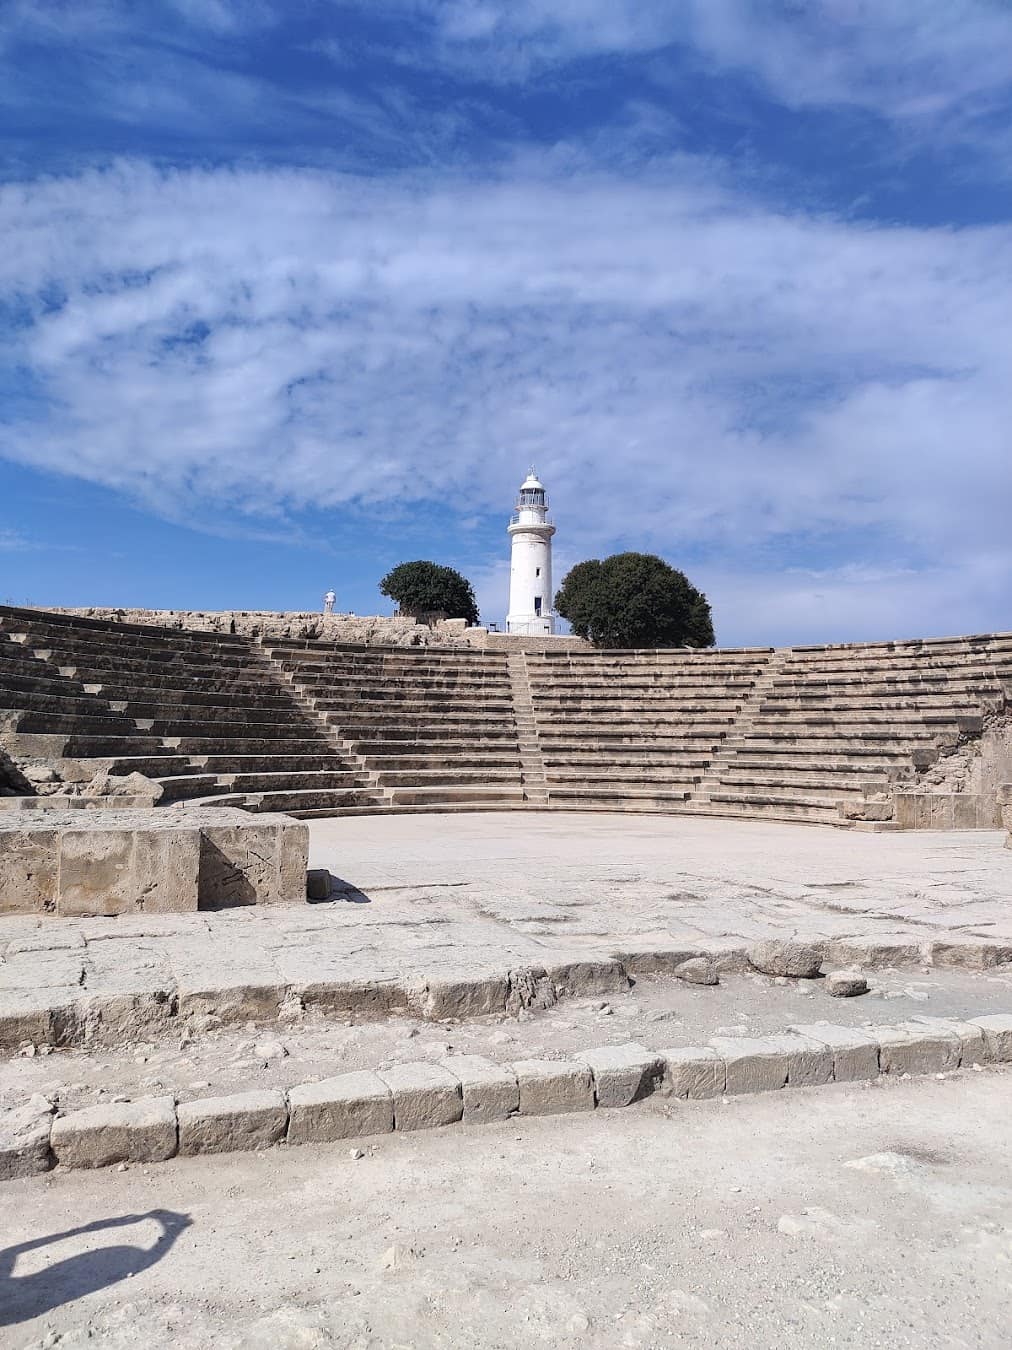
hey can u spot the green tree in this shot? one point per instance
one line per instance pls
(426, 588)
(634, 600)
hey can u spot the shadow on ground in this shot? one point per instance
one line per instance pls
(26, 1296)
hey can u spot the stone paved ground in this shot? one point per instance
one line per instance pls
(432, 896)
(851, 1216)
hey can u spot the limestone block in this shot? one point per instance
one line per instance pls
(809, 1061)
(252, 859)
(997, 1029)
(752, 1064)
(24, 1139)
(128, 871)
(345, 1107)
(141, 1131)
(700, 970)
(800, 960)
(552, 1086)
(463, 994)
(969, 953)
(846, 984)
(972, 1042)
(694, 1072)
(855, 1052)
(911, 1048)
(584, 975)
(623, 1073)
(874, 953)
(425, 1095)
(490, 1091)
(29, 869)
(37, 1015)
(245, 1120)
(232, 996)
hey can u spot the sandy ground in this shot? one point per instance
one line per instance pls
(659, 1012)
(848, 1216)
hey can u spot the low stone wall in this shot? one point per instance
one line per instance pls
(147, 861)
(472, 1090)
(946, 811)
(377, 629)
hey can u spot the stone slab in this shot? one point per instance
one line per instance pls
(24, 1139)
(489, 1091)
(242, 1121)
(344, 1107)
(972, 1041)
(855, 1052)
(623, 1073)
(425, 1095)
(752, 1063)
(908, 1047)
(997, 1030)
(694, 1072)
(553, 1086)
(140, 1131)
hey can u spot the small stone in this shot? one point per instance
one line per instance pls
(318, 883)
(698, 970)
(846, 984)
(799, 960)
(356, 1153)
(270, 1050)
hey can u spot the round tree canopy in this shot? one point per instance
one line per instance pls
(421, 588)
(634, 600)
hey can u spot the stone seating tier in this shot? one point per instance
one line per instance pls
(314, 728)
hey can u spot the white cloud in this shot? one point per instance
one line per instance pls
(694, 373)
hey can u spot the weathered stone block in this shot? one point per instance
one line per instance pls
(345, 1107)
(997, 1029)
(700, 970)
(911, 1048)
(425, 1096)
(463, 994)
(551, 1087)
(972, 1042)
(752, 1064)
(800, 960)
(490, 1091)
(874, 953)
(128, 871)
(141, 1131)
(245, 1120)
(855, 1052)
(694, 1072)
(846, 984)
(584, 975)
(623, 1073)
(29, 870)
(24, 1139)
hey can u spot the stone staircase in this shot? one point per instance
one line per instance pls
(436, 728)
(532, 764)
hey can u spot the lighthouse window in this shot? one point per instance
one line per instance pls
(537, 604)
(537, 571)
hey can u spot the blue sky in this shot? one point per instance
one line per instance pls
(292, 290)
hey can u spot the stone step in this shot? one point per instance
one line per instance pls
(132, 659)
(610, 774)
(647, 798)
(250, 744)
(437, 795)
(331, 761)
(442, 763)
(450, 776)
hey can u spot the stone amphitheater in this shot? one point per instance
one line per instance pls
(273, 879)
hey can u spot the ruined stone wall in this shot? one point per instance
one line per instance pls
(378, 629)
(395, 631)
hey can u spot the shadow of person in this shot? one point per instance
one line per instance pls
(26, 1296)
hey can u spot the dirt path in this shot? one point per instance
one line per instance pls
(745, 1223)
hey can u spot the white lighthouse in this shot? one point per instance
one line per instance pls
(530, 533)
